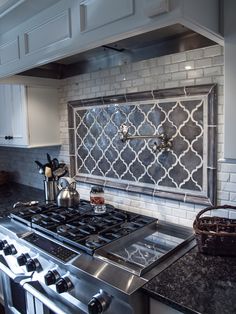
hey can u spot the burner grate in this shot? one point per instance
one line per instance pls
(80, 227)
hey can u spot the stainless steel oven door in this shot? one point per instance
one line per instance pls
(14, 297)
(42, 300)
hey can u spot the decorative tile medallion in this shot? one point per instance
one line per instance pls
(166, 152)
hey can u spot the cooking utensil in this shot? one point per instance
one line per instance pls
(48, 172)
(49, 159)
(60, 172)
(68, 195)
(40, 166)
(50, 190)
(31, 203)
(55, 164)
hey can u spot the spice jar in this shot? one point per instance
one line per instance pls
(97, 199)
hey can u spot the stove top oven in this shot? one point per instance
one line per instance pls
(71, 260)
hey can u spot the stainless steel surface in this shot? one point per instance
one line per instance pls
(68, 196)
(149, 248)
(156, 43)
(85, 282)
(50, 190)
(31, 203)
(53, 302)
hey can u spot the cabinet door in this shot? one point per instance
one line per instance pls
(5, 109)
(94, 14)
(19, 121)
(13, 119)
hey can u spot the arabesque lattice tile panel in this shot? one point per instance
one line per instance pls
(182, 172)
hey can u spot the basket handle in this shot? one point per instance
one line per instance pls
(214, 207)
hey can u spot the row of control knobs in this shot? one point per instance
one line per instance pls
(63, 284)
(98, 304)
(8, 249)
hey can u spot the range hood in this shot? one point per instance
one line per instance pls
(172, 39)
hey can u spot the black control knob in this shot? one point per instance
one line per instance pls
(51, 277)
(22, 259)
(64, 284)
(2, 244)
(94, 306)
(9, 249)
(33, 264)
(99, 303)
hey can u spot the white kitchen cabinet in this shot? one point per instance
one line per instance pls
(28, 116)
(71, 26)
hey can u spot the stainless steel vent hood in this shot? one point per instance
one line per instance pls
(164, 41)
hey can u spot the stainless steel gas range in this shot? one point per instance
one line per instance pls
(71, 260)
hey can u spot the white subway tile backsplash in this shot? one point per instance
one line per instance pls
(233, 196)
(232, 214)
(232, 177)
(217, 70)
(228, 186)
(179, 213)
(202, 63)
(178, 57)
(194, 54)
(186, 82)
(222, 195)
(224, 176)
(227, 167)
(171, 84)
(161, 60)
(189, 64)
(171, 68)
(179, 76)
(195, 73)
(212, 51)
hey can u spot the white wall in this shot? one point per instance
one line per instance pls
(163, 72)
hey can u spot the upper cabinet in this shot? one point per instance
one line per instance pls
(71, 26)
(28, 116)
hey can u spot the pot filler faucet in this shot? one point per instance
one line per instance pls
(165, 144)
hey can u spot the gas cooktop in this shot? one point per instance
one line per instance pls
(80, 227)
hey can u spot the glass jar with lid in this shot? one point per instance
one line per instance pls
(97, 199)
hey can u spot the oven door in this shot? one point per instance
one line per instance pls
(43, 300)
(14, 297)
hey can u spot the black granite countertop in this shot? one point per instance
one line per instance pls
(197, 283)
(13, 192)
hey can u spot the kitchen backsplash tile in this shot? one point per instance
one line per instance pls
(133, 164)
(157, 74)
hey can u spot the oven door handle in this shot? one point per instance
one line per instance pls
(52, 300)
(6, 269)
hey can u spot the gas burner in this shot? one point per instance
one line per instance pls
(124, 231)
(129, 225)
(109, 235)
(80, 227)
(94, 242)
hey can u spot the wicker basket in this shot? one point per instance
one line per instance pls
(4, 177)
(215, 235)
